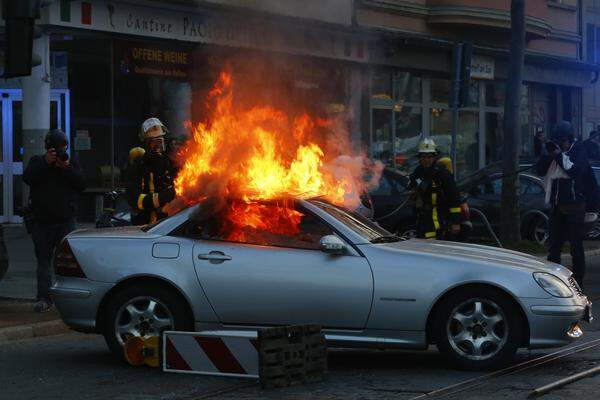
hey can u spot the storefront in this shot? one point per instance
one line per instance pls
(125, 62)
(407, 105)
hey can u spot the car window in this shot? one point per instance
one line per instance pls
(489, 187)
(529, 187)
(300, 230)
(359, 224)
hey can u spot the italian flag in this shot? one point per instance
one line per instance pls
(84, 8)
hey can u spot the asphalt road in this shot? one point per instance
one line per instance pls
(77, 366)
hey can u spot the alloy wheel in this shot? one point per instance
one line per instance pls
(477, 329)
(142, 316)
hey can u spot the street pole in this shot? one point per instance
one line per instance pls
(510, 224)
(457, 61)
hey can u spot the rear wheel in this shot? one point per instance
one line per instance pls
(144, 311)
(538, 230)
(478, 329)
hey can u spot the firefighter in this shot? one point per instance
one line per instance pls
(437, 198)
(150, 175)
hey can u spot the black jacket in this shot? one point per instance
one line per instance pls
(580, 186)
(149, 188)
(436, 180)
(54, 190)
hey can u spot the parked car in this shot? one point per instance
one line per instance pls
(394, 210)
(484, 191)
(364, 286)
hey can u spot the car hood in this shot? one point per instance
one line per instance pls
(477, 253)
(124, 232)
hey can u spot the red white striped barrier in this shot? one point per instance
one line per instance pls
(211, 353)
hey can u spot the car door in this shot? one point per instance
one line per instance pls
(286, 280)
(485, 197)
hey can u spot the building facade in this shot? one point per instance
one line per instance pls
(108, 65)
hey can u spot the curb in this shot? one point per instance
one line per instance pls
(39, 329)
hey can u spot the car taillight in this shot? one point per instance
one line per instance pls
(65, 263)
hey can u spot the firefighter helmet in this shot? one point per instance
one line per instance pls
(427, 145)
(147, 131)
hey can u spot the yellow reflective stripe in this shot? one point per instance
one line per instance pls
(455, 210)
(140, 202)
(151, 183)
(155, 200)
(434, 216)
(430, 235)
(434, 198)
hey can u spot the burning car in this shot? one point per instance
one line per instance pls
(320, 264)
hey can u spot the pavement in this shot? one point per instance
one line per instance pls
(18, 289)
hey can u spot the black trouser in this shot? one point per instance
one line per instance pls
(46, 236)
(567, 223)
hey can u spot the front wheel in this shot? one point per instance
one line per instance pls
(478, 329)
(144, 311)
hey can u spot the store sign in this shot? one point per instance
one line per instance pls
(140, 59)
(482, 67)
(213, 28)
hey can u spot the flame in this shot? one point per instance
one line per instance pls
(260, 153)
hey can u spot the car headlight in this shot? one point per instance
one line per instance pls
(552, 284)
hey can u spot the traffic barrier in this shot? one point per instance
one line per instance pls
(210, 353)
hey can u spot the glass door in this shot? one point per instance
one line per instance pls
(11, 163)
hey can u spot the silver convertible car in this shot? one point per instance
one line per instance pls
(364, 286)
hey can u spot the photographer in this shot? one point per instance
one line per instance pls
(566, 171)
(54, 181)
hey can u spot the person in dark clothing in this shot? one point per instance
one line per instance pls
(150, 176)
(437, 198)
(54, 181)
(566, 179)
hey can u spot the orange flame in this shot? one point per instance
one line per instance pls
(262, 154)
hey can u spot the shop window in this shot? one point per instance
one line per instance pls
(407, 88)
(440, 91)
(494, 135)
(495, 93)
(381, 145)
(381, 85)
(408, 124)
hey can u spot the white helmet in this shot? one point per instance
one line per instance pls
(146, 131)
(427, 145)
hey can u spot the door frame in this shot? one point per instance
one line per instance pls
(8, 167)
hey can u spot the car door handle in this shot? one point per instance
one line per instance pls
(214, 256)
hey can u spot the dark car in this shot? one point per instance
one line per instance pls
(393, 208)
(484, 194)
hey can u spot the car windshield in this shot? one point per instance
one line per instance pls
(359, 224)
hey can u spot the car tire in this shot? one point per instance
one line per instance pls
(144, 310)
(477, 329)
(538, 230)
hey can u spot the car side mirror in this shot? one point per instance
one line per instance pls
(333, 245)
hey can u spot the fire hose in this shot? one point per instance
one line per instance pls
(487, 224)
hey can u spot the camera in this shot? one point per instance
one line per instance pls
(57, 140)
(62, 155)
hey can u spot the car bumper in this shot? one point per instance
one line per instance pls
(554, 322)
(77, 300)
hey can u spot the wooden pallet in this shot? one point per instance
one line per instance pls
(292, 355)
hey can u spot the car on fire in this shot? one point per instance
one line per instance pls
(365, 287)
